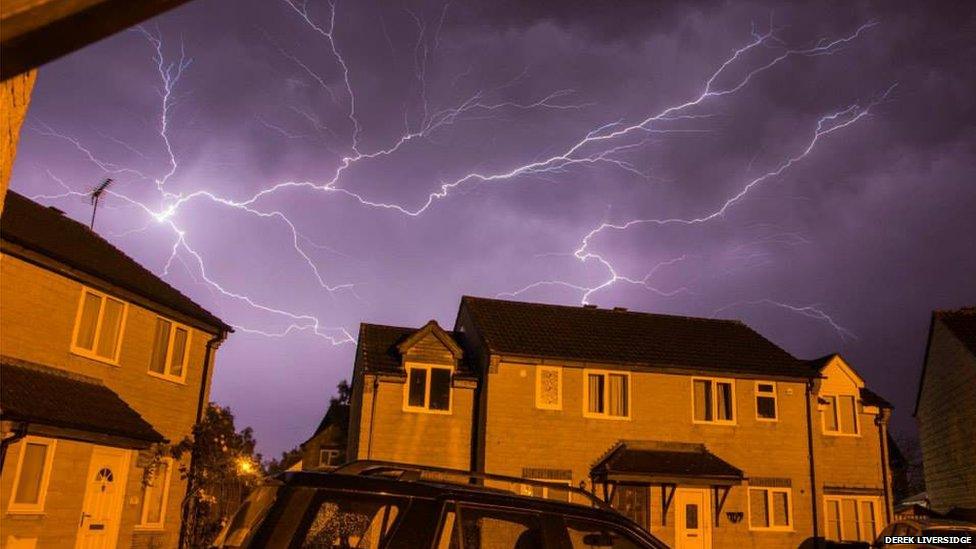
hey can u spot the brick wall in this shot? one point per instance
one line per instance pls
(947, 422)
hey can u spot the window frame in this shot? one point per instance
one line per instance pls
(93, 352)
(823, 415)
(538, 387)
(774, 395)
(769, 505)
(606, 394)
(143, 525)
(876, 503)
(330, 451)
(173, 326)
(526, 489)
(714, 381)
(15, 507)
(425, 409)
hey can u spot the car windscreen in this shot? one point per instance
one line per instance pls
(247, 517)
(338, 519)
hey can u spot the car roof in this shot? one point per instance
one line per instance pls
(939, 523)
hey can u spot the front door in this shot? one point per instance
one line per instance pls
(104, 491)
(693, 525)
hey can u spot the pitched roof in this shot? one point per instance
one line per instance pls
(337, 414)
(870, 398)
(962, 324)
(651, 459)
(619, 336)
(49, 232)
(378, 347)
(47, 396)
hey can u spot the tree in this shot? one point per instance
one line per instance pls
(223, 467)
(286, 460)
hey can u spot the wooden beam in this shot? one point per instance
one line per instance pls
(35, 32)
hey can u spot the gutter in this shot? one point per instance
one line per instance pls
(882, 422)
(813, 469)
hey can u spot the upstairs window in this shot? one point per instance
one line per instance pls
(766, 401)
(428, 389)
(840, 415)
(328, 457)
(548, 388)
(171, 345)
(713, 400)
(98, 326)
(606, 394)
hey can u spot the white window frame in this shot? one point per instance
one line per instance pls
(425, 409)
(769, 506)
(823, 415)
(143, 524)
(606, 394)
(527, 488)
(173, 325)
(32, 508)
(879, 524)
(92, 353)
(330, 452)
(774, 396)
(714, 382)
(538, 388)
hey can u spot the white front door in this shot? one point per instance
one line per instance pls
(692, 519)
(104, 492)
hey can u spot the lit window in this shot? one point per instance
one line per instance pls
(155, 495)
(852, 518)
(548, 489)
(171, 345)
(840, 414)
(32, 475)
(607, 394)
(428, 389)
(765, 400)
(770, 509)
(714, 401)
(328, 457)
(548, 388)
(98, 326)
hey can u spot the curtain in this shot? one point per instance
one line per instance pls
(160, 345)
(31, 472)
(724, 401)
(758, 510)
(179, 352)
(595, 394)
(703, 400)
(89, 318)
(111, 326)
(618, 395)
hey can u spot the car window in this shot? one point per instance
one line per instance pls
(346, 521)
(584, 534)
(247, 517)
(489, 528)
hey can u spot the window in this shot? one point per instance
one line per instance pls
(476, 528)
(98, 326)
(155, 495)
(328, 457)
(345, 521)
(840, 415)
(428, 389)
(713, 401)
(606, 394)
(548, 388)
(32, 475)
(171, 346)
(851, 518)
(557, 490)
(770, 509)
(633, 502)
(584, 534)
(765, 401)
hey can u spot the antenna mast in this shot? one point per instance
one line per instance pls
(94, 195)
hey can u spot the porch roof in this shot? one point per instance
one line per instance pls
(79, 405)
(664, 462)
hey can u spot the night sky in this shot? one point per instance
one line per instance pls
(806, 169)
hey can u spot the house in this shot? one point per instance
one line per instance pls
(101, 363)
(326, 448)
(945, 410)
(701, 430)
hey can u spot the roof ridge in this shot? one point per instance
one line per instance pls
(51, 370)
(604, 310)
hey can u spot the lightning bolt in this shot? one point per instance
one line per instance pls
(809, 311)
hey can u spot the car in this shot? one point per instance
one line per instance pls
(380, 505)
(906, 534)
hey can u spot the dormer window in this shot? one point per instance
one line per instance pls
(428, 389)
(840, 415)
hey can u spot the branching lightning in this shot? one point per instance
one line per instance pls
(606, 145)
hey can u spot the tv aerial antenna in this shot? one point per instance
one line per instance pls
(95, 195)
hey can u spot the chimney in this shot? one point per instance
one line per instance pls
(620, 309)
(589, 306)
